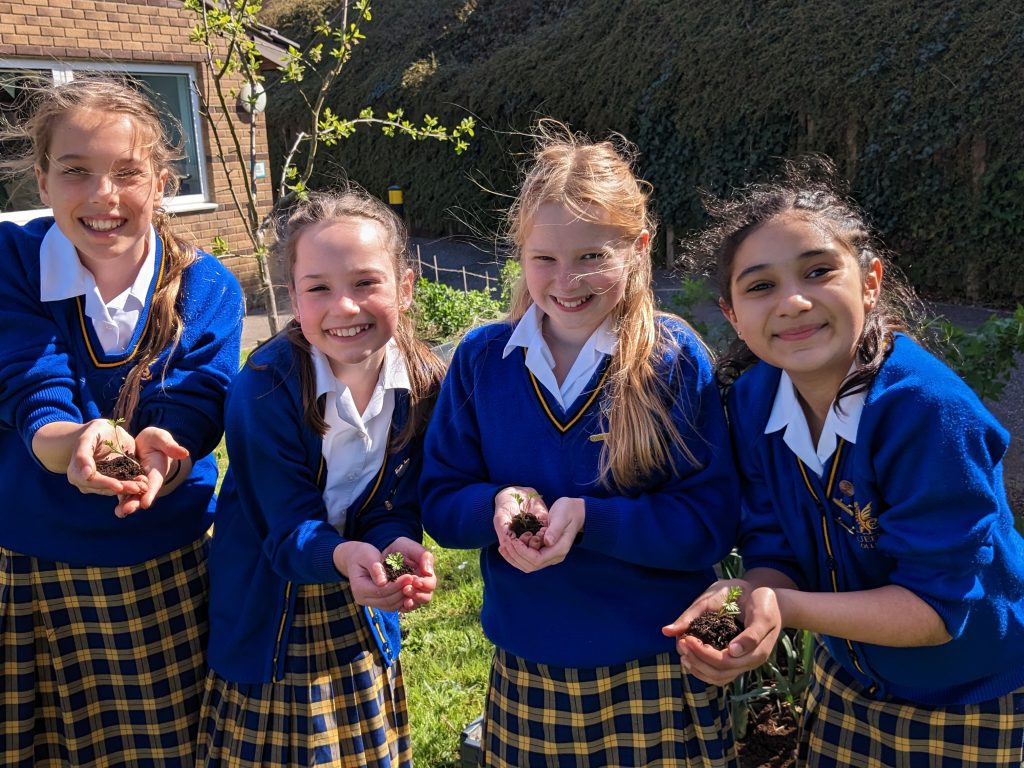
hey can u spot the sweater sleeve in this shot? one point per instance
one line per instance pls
(690, 519)
(458, 503)
(274, 461)
(937, 455)
(188, 398)
(37, 382)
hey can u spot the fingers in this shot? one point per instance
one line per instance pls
(154, 439)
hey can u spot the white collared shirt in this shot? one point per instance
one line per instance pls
(356, 443)
(528, 333)
(63, 276)
(787, 413)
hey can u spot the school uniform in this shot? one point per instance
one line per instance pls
(105, 617)
(299, 674)
(584, 636)
(909, 492)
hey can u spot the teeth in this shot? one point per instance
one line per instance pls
(103, 225)
(345, 332)
(572, 304)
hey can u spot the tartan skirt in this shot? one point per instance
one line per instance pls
(323, 712)
(646, 712)
(102, 666)
(843, 727)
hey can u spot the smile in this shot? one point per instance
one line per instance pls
(102, 225)
(799, 334)
(347, 332)
(572, 303)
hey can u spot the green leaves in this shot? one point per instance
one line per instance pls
(443, 312)
(986, 356)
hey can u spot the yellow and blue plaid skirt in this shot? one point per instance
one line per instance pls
(102, 666)
(844, 728)
(642, 713)
(324, 712)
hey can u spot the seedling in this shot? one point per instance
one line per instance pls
(395, 565)
(523, 521)
(718, 628)
(731, 606)
(118, 464)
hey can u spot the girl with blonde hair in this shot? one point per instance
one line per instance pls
(601, 417)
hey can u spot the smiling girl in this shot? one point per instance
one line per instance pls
(874, 512)
(114, 334)
(324, 433)
(601, 416)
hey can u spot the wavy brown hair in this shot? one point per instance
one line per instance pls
(811, 189)
(47, 105)
(425, 368)
(596, 181)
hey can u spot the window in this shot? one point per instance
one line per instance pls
(172, 87)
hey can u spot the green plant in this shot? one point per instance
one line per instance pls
(395, 560)
(986, 356)
(443, 313)
(114, 446)
(731, 606)
(224, 31)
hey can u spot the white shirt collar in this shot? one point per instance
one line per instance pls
(787, 413)
(393, 375)
(528, 333)
(63, 276)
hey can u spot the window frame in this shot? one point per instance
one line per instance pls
(64, 71)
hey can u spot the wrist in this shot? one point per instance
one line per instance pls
(173, 472)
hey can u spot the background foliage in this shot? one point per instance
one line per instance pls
(919, 103)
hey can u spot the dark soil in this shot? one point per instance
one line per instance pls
(771, 739)
(120, 467)
(523, 522)
(714, 629)
(394, 573)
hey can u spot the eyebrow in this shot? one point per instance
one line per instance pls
(803, 256)
(354, 273)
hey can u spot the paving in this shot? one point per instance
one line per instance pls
(476, 265)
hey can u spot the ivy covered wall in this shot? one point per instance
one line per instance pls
(920, 104)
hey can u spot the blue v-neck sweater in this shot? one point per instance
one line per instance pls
(646, 553)
(917, 501)
(53, 368)
(272, 532)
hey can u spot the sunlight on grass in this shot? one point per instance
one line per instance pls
(446, 659)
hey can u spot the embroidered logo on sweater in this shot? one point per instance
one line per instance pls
(856, 520)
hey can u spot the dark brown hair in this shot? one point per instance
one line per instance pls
(811, 189)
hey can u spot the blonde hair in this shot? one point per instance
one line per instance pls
(425, 368)
(597, 183)
(48, 104)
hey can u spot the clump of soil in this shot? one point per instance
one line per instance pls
(715, 629)
(523, 522)
(395, 565)
(771, 739)
(120, 467)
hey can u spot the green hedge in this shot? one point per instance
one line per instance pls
(919, 103)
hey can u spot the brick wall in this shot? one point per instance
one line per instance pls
(153, 32)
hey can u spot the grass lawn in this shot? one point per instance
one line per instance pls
(446, 659)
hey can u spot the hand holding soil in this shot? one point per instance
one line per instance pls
(718, 628)
(395, 565)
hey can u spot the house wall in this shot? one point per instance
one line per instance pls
(153, 32)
